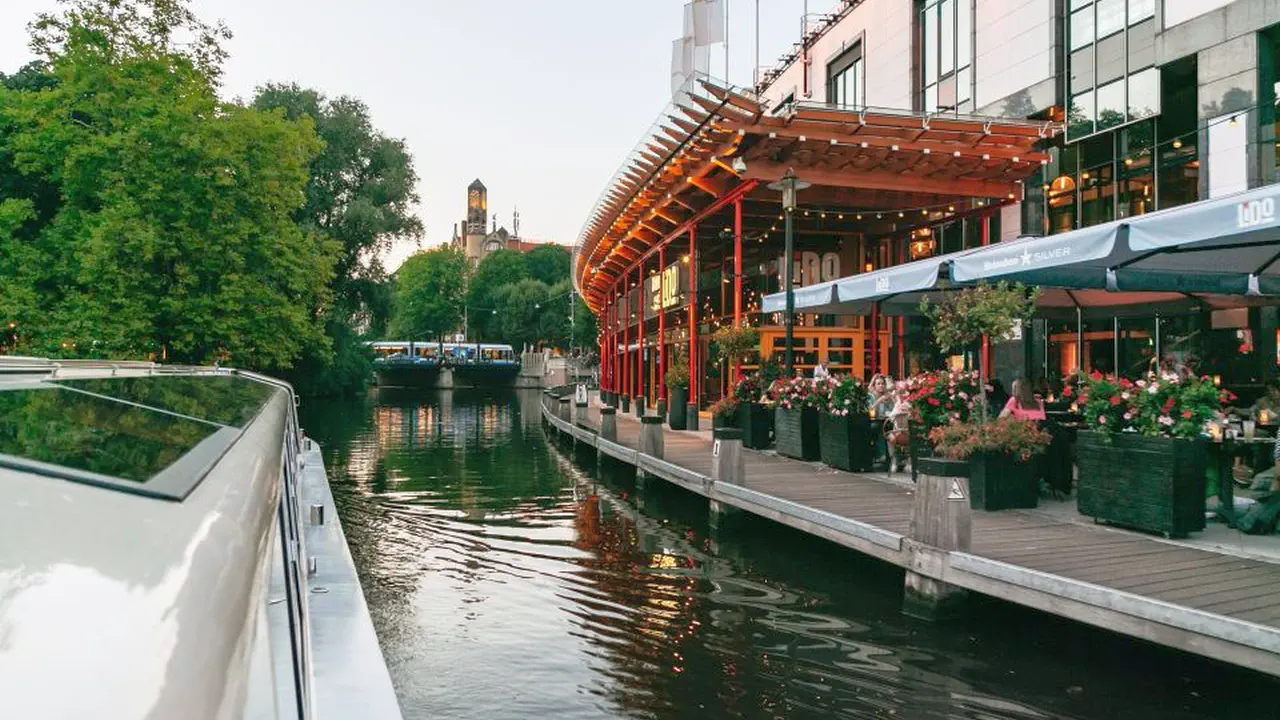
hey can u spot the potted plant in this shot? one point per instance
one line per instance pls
(1142, 459)
(677, 380)
(795, 419)
(845, 436)
(754, 411)
(1001, 472)
(724, 412)
(736, 344)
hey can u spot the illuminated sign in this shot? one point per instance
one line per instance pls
(810, 268)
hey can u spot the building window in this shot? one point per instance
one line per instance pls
(845, 81)
(947, 50)
(1110, 59)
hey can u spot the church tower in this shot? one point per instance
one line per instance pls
(477, 214)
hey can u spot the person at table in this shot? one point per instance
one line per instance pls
(820, 371)
(1269, 402)
(1024, 405)
(881, 401)
(997, 396)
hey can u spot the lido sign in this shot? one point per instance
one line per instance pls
(1255, 212)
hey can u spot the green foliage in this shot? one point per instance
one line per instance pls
(737, 343)
(1006, 435)
(678, 369)
(843, 396)
(429, 291)
(360, 195)
(1158, 405)
(548, 263)
(170, 230)
(522, 316)
(964, 317)
(585, 328)
(501, 267)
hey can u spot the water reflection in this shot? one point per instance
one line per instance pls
(508, 582)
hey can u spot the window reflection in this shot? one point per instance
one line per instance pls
(1081, 28)
(1080, 116)
(1144, 94)
(1111, 105)
(1110, 17)
(1137, 170)
(1141, 9)
(1110, 59)
(1142, 46)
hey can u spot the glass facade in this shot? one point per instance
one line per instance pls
(1110, 59)
(947, 56)
(846, 86)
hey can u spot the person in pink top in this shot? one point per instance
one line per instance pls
(1023, 404)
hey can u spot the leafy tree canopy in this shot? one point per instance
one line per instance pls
(170, 230)
(429, 291)
(548, 263)
(501, 267)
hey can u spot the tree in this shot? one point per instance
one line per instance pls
(548, 263)
(429, 290)
(585, 329)
(361, 195)
(524, 316)
(171, 233)
(501, 267)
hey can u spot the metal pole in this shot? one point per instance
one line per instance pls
(755, 75)
(787, 253)
(1157, 340)
(1115, 344)
(726, 41)
(1079, 342)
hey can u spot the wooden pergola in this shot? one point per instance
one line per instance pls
(709, 162)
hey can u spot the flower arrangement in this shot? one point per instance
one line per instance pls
(1159, 405)
(725, 408)
(1007, 435)
(750, 388)
(943, 397)
(793, 394)
(844, 396)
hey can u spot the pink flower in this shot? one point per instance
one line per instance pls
(1102, 419)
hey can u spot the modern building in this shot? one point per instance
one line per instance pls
(927, 127)
(470, 235)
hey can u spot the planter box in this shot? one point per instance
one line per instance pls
(1147, 483)
(918, 447)
(796, 433)
(998, 481)
(846, 442)
(756, 422)
(677, 398)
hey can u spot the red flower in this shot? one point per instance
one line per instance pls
(1186, 415)
(934, 402)
(1115, 400)
(1066, 391)
(1168, 405)
(1124, 383)
(1095, 375)
(948, 406)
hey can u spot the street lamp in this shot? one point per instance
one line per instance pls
(788, 186)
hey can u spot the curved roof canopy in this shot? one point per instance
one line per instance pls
(874, 159)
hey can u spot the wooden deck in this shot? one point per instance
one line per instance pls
(1213, 604)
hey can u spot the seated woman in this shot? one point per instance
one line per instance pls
(1023, 405)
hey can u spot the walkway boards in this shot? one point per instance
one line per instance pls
(1213, 604)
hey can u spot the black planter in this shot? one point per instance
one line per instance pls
(846, 442)
(998, 481)
(1147, 483)
(756, 422)
(796, 433)
(918, 447)
(677, 398)
(626, 404)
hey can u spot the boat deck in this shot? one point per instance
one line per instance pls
(1214, 604)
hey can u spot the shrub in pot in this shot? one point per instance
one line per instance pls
(1142, 461)
(846, 439)
(754, 411)
(736, 343)
(724, 413)
(677, 381)
(1001, 454)
(795, 420)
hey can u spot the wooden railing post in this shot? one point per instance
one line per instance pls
(941, 522)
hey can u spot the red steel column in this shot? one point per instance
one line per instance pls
(737, 276)
(694, 381)
(624, 353)
(902, 327)
(638, 382)
(986, 341)
(662, 323)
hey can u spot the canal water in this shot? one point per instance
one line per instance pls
(507, 580)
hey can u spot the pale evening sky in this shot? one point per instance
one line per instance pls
(540, 100)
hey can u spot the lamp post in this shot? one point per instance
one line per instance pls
(788, 186)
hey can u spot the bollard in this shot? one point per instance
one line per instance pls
(941, 522)
(626, 403)
(651, 439)
(579, 411)
(691, 416)
(563, 412)
(609, 424)
(639, 405)
(727, 462)
(660, 408)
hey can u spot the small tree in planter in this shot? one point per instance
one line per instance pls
(677, 381)
(795, 420)
(736, 344)
(754, 410)
(1001, 474)
(1142, 460)
(724, 412)
(992, 310)
(846, 440)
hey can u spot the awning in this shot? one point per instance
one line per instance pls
(818, 298)
(1227, 245)
(1076, 259)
